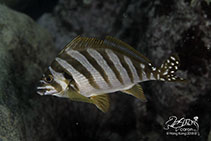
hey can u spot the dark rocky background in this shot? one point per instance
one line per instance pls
(33, 31)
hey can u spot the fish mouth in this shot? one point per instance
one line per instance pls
(44, 89)
(40, 93)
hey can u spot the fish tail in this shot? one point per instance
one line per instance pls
(168, 69)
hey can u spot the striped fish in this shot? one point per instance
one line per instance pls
(87, 69)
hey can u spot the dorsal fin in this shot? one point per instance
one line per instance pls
(70, 44)
(126, 48)
(81, 43)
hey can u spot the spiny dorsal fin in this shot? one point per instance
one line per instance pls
(70, 44)
(83, 43)
(126, 48)
(102, 102)
(136, 91)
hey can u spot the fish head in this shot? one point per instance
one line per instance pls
(52, 83)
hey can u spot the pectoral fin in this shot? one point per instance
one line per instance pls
(136, 91)
(102, 102)
(75, 96)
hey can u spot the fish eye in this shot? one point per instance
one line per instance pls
(48, 78)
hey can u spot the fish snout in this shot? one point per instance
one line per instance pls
(44, 88)
(41, 88)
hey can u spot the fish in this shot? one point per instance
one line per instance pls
(89, 69)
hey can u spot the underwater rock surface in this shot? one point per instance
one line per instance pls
(23, 45)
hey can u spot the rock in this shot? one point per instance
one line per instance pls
(179, 31)
(23, 49)
(25, 52)
(209, 137)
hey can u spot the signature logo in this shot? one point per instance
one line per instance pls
(182, 126)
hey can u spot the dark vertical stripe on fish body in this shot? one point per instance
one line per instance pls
(80, 68)
(57, 86)
(57, 67)
(94, 63)
(147, 71)
(74, 85)
(155, 74)
(112, 66)
(125, 65)
(138, 68)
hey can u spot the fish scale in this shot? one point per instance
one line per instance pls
(118, 65)
(99, 82)
(87, 69)
(111, 79)
(93, 57)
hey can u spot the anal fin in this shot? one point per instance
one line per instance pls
(102, 102)
(136, 91)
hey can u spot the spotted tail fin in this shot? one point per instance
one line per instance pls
(168, 69)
